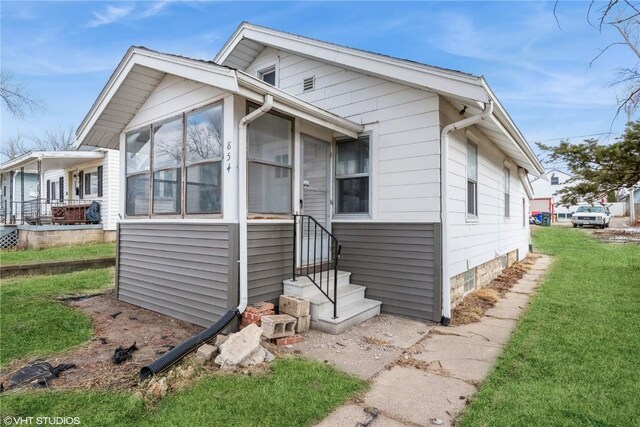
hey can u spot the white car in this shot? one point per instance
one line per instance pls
(598, 216)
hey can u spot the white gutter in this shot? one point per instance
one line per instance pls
(444, 212)
(242, 197)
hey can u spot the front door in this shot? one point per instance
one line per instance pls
(315, 193)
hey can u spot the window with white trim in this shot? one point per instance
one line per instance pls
(167, 166)
(472, 180)
(507, 189)
(138, 163)
(268, 75)
(352, 176)
(524, 212)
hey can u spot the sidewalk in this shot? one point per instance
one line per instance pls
(431, 383)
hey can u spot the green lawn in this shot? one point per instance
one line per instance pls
(96, 250)
(574, 359)
(33, 323)
(295, 393)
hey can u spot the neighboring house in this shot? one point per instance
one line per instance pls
(545, 191)
(417, 171)
(629, 198)
(62, 186)
(13, 186)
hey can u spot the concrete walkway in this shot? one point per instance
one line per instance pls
(431, 382)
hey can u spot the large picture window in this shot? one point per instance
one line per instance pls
(352, 176)
(270, 150)
(138, 160)
(190, 145)
(472, 180)
(204, 160)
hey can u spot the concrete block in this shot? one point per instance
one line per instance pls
(303, 324)
(279, 325)
(206, 353)
(294, 306)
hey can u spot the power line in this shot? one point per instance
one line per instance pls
(576, 136)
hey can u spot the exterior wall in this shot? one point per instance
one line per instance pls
(543, 188)
(474, 242)
(404, 125)
(47, 236)
(483, 274)
(399, 263)
(185, 270)
(270, 259)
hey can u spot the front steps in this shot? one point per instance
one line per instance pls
(353, 307)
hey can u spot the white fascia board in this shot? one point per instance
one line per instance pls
(439, 80)
(209, 74)
(537, 169)
(255, 89)
(34, 156)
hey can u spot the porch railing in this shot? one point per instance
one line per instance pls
(3, 212)
(317, 251)
(58, 211)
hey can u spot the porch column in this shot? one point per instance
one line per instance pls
(11, 182)
(21, 195)
(39, 191)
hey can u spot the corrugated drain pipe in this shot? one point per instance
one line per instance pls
(444, 211)
(187, 346)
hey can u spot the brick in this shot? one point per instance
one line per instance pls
(295, 339)
(278, 325)
(294, 306)
(250, 317)
(260, 307)
(303, 324)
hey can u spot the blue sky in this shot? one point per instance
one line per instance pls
(64, 52)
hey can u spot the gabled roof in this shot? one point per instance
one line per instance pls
(141, 70)
(250, 40)
(50, 160)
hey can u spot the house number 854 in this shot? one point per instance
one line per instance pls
(228, 156)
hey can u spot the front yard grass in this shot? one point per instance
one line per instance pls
(295, 393)
(573, 360)
(34, 323)
(63, 253)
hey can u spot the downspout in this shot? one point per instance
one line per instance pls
(444, 212)
(242, 197)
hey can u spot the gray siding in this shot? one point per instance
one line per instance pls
(270, 259)
(184, 270)
(399, 263)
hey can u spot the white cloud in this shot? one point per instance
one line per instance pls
(154, 9)
(110, 15)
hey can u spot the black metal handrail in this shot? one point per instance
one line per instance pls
(51, 211)
(303, 226)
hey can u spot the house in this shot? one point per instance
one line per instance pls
(408, 175)
(59, 187)
(545, 197)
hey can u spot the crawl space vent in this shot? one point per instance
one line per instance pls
(308, 84)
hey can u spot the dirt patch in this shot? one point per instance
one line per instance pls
(619, 235)
(115, 324)
(474, 305)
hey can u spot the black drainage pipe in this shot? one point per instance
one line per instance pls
(187, 346)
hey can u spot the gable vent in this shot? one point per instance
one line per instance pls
(308, 84)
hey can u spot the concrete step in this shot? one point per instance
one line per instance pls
(347, 296)
(303, 287)
(349, 316)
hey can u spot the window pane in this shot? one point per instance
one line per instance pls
(94, 183)
(507, 180)
(203, 188)
(269, 77)
(87, 183)
(167, 144)
(269, 189)
(270, 139)
(166, 191)
(472, 162)
(471, 198)
(204, 135)
(138, 150)
(138, 194)
(353, 157)
(353, 195)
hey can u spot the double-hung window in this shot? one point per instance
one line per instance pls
(270, 149)
(352, 176)
(138, 161)
(472, 180)
(167, 166)
(507, 198)
(204, 161)
(90, 183)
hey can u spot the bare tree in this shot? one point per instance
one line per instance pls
(55, 140)
(13, 147)
(15, 97)
(624, 17)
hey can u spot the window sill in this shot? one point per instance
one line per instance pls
(351, 217)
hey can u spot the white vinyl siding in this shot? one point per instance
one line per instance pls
(403, 123)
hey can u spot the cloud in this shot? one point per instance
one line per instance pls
(154, 9)
(110, 15)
